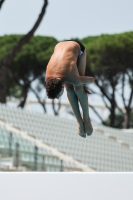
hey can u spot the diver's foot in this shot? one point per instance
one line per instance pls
(88, 127)
(81, 131)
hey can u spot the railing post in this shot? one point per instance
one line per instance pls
(10, 145)
(43, 164)
(35, 158)
(17, 156)
(61, 166)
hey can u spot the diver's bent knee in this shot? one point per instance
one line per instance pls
(78, 89)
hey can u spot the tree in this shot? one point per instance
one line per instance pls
(1, 3)
(16, 48)
(107, 61)
(28, 65)
(120, 120)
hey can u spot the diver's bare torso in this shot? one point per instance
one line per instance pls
(63, 62)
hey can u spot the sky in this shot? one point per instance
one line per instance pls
(65, 19)
(67, 186)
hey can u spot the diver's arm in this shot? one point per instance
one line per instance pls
(81, 80)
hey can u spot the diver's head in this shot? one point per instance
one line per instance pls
(54, 88)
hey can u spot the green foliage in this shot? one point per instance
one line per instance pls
(29, 63)
(6, 44)
(108, 58)
(89, 39)
(110, 52)
(119, 121)
(34, 56)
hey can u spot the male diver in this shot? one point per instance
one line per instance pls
(66, 67)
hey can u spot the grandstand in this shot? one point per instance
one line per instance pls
(26, 153)
(40, 142)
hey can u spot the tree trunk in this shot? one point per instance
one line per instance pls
(112, 114)
(127, 118)
(1, 3)
(39, 100)
(22, 103)
(7, 62)
(3, 83)
(113, 105)
(56, 112)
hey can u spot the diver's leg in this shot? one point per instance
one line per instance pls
(83, 99)
(73, 99)
(82, 95)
